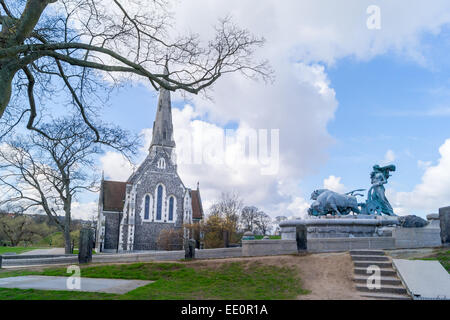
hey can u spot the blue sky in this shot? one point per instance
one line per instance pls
(383, 105)
(345, 97)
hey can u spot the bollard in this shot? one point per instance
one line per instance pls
(301, 237)
(1, 261)
(189, 249)
(444, 217)
(86, 245)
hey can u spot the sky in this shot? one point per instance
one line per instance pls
(350, 91)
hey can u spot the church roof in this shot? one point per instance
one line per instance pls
(113, 195)
(197, 208)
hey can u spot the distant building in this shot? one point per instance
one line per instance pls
(132, 214)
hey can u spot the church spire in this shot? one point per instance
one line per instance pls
(163, 127)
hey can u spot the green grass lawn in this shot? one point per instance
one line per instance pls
(17, 250)
(270, 237)
(443, 256)
(179, 281)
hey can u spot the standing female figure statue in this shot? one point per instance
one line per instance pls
(377, 203)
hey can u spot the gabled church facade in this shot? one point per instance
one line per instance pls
(132, 214)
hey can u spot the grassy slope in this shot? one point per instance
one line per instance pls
(443, 256)
(179, 281)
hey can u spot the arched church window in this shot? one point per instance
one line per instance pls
(147, 208)
(159, 203)
(171, 206)
(162, 163)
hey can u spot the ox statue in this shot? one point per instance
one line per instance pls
(330, 202)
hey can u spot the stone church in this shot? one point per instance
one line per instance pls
(132, 214)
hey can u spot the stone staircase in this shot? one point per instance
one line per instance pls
(391, 286)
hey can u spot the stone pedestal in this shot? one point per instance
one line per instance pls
(444, 217)
(337, 227)
(86, 245)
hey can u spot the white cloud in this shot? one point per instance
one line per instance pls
(115, 166)
(434, 190)
(334, 184)
(323, 30)
(389, 157)
(84, 210)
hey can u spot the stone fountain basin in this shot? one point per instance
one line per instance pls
(340, 227)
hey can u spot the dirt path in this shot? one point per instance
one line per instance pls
(328, 275)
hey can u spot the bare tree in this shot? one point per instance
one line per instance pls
(79, 46)
(248, 218)
(225, 213)
(263, 223)
(48, 173)
(18, 227)
(228, 207)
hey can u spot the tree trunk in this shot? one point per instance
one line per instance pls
(67, 238)
(23, 28)
(5, 87)
(28, 20)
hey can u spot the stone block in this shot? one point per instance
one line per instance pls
(254, 248)
(288, 233)
(424, 279)
(444, 217)
(406, 238)
(433, 216)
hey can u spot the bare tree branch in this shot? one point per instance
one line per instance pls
(83, 47)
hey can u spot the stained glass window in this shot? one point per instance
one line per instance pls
(159, 203)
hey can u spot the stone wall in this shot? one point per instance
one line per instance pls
(347, 244)
(167, 255)
(254, 248)
(429, 236)
(218, 253)
(146, 235)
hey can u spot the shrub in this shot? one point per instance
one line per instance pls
(170, 239)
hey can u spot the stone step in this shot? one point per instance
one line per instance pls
(367, 263)
(368, 252)
(385, 272)
(385, 296)
(385, 288)
(362, 279)
(369, 258)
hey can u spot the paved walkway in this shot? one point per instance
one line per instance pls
(44, 251)
(424, 279)
(67, 284)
